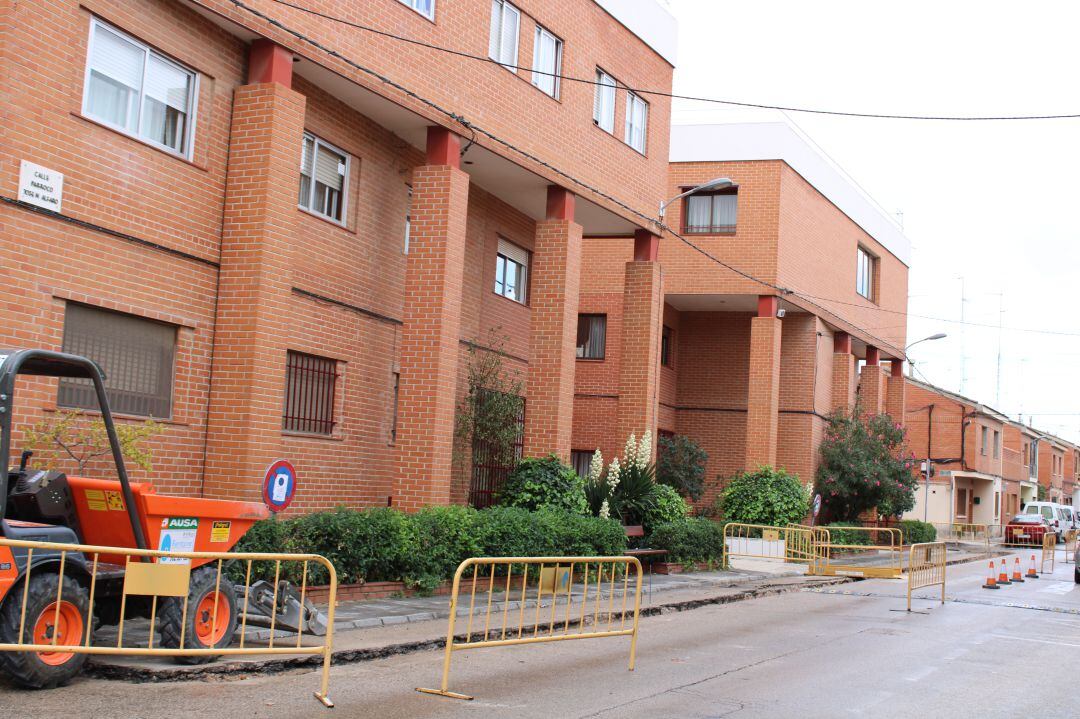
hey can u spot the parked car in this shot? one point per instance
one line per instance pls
(1076, 564)
(1060, 516)
(1027, 529)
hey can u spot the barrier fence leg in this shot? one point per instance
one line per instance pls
(328, 650)
(443, 689)
(637, 613)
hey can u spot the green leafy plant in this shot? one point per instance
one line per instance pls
(539, 482)
(446, 537)
(667, 506)
(915, 531)
(864, 467)
(766, 496)
(490, 412)
(690, 540)
(681, 464)
(73, 435)
(849, 534)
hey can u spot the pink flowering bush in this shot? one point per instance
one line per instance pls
(864, 467)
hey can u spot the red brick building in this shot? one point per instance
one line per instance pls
(751, 361)
(282, 234)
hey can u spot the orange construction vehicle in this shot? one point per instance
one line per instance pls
(49, 506)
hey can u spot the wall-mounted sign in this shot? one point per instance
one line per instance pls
(279, 485)
(40, 186)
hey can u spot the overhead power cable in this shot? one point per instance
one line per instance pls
(676, 96)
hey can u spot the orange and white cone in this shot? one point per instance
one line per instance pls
(991, 583)
(1016, 572)
(1032, 574)
(1003, 575)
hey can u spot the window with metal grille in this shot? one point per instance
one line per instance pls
(136, 355)
(310, 384)
(489, 470)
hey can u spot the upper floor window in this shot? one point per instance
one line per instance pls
(136, 355)
(138, 91)
(324, 178)
(982, 446)
(591, 336)
(511, 271)
(604, 102)
(547, 61)
(424, 7)
(711, 212)
(310, 386)
(408, 219)
(997, 444)
(503, 40)
(637, 120)
(864, 274)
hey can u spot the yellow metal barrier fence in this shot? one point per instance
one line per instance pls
(1070, 545)
(1023, 535)
(760, 541)
(888, 540)
(966, 532)
(1049, 547)
(607, 605)
(926, 568)
(168, 576)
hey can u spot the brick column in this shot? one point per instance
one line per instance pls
(896, 394)
(254, 284)
(639, 366)
(763, 393)
(843, 373)
(554, 300)
(872, 383)
(434, 279)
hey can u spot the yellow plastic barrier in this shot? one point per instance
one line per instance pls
(760, 541)
(888, 540)
(1049, 546)
(926, 568)
(167, 576)
(1070, 546)
(562, 618)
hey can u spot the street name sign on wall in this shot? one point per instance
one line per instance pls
(40, 186)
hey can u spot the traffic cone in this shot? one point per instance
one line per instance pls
(1016, 572)
(1032, 574)
(991, 583)
(1003, 575)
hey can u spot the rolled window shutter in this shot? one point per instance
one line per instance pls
(168, 84)
(510, 23)
(513, 252)
(329, 168)
(117, 58)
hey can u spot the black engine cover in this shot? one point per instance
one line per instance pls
(44, 496)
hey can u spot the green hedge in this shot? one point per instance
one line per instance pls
(424, 548)
(916, 531)
(690, 540)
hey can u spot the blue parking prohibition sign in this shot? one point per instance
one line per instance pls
(279, 485)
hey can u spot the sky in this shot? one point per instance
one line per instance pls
(990, 207)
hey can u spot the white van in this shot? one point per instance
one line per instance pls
(1060, 516)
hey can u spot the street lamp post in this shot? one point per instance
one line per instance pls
(911, 364)
(719, 183)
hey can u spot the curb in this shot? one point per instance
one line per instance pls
(242, 670)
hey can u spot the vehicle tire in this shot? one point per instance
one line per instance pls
(201, 631)
(1076, 575)
(44, 670)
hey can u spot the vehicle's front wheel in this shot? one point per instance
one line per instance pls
(1076, 575)
(211, 616)
(45, 618)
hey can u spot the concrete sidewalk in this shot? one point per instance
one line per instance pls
(373, 629)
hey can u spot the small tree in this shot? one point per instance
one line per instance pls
(74, 436)
(490, 411)
(766, 496)
(681, 464)
(864, 467)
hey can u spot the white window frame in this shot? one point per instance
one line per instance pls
(555, 71)
(412, 5)
(193, 96)
(607, 124)
(510, 63)
(517, 255)
(864, 273)
(631, 99)
(319, 142)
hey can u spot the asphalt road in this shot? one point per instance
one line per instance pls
(810, 654)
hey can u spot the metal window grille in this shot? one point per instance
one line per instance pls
(489, 471)
(310, 386)
(136, 355)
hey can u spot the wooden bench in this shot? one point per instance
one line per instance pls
(636, 531)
